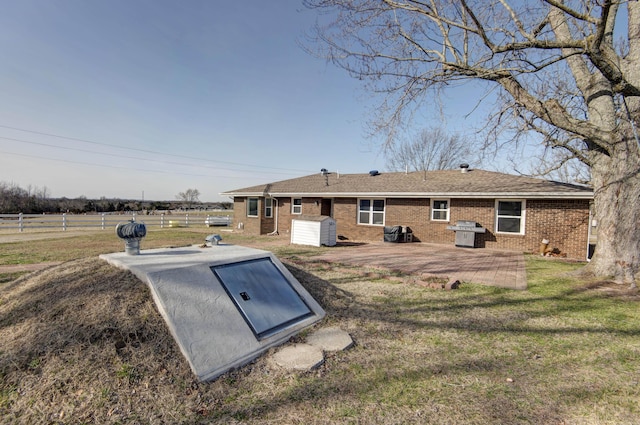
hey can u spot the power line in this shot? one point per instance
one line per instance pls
(148, 151)
(132, 157)
(115, 166)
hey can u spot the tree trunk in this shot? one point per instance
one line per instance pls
(616, 180)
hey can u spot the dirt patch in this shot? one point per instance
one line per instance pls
(613, 289)
(77, 340)
(20, 268)
(36, 236)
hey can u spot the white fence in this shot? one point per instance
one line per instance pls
(21, 222)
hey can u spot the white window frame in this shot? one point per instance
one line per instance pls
(370, 211)
(296, 209)
(447, 210)
(249, 206)
(523, 214)
(268, 207)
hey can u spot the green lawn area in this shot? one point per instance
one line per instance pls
(564, 351)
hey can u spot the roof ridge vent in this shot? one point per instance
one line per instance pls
(374, 173)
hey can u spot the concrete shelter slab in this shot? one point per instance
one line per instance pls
(209, 328)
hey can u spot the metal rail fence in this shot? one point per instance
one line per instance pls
(21, 222)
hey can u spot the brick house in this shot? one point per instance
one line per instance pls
(517, 212)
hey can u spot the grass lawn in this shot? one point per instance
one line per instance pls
(83, 343)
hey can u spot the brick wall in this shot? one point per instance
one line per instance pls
(563, 222)
(310, 206)
(285, 216)
(241, 221)
(267, 224)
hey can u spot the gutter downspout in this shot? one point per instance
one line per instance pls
(275, 229)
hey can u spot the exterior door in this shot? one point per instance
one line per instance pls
(263, 295)
(325, 208)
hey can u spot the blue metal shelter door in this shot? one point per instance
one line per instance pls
(262, 294)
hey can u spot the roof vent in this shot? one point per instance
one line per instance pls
(325, 174)
(374, 173)
(464, 168)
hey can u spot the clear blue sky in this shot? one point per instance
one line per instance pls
(119, 98)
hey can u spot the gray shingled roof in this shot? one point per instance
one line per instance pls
(445, 183)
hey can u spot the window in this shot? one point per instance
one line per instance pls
(252, 207)
(268, 207)
(296, 206)
(440, 209)
(510, 216)
(371, 211)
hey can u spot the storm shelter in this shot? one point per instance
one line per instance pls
(225, 304)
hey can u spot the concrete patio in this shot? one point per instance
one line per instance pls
(504, 269)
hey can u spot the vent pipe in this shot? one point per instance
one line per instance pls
(325, 173)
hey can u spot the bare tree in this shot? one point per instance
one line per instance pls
(555, 166)
(11, 198)
(14, 199)
(431, 149)
(189, 197)
(42, 192)
(556, 68)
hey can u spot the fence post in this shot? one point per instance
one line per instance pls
(162, 221)
(102, 220)
(186, 219)
(20, 222)
(64, 221)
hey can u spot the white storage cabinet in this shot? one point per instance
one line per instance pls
(313, 230)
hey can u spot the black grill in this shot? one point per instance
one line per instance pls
(398, 234)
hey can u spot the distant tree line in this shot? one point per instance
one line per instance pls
(34, 200)
(14, 199)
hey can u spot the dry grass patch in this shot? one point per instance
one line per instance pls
(84, 343)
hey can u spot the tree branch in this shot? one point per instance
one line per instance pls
(550, 111)
(572, 12)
